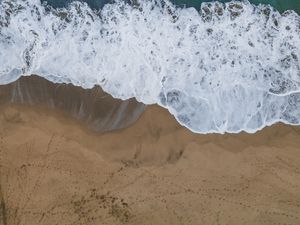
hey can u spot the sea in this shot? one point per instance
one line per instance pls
(281, 5)
(216, 66)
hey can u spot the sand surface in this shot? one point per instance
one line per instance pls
(54, 171)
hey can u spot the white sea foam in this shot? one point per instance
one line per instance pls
(227, 68)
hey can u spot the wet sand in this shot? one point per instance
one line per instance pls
(55, 171)
(93, 107)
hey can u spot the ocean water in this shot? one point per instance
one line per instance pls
(217, 67)
(280, 5)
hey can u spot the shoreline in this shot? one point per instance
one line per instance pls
(94, 107)
(56, 171)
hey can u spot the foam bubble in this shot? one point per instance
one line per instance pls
(227, 68)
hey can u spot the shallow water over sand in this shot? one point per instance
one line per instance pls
(97, 109)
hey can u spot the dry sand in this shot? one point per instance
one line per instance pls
(54, 171)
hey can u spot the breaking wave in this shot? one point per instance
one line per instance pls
(226, 68)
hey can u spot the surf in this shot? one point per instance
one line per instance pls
(229, 67)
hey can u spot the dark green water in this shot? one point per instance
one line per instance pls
(96, 4)
(280, 5)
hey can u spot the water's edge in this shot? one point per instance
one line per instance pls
(97, 109)
(227, 68)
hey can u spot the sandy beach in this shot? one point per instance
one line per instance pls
(136, 112)
(56, 171)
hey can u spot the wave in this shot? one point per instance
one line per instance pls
(226, 68)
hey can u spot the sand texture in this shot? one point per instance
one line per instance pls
(54, 171)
